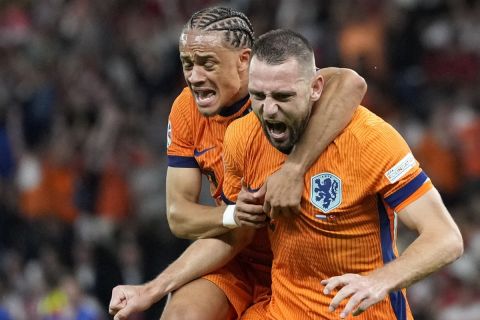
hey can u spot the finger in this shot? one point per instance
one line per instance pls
(247, 208)
(275, 212)
(358, 311)
(254, 225)
(245, 196)
(251, 217)
(363, 306)
(267, 209)
(334, 282)
(352, 304)
(117, 301)
(257, 225)
(244, 184)
(248, 200)
(260, 193)
(116, 296)
(114, 309)
(341, 295)
(281, 209)
(123, 314)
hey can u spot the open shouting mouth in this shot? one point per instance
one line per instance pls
(278, 131)
(204, 97)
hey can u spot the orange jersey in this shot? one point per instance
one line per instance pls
(196, 141)
(347, 220)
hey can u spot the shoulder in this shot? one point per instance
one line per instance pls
(250, 121)
(240, 136)
(242, 129)
(369, 128)
(184, 102)
(184, 113)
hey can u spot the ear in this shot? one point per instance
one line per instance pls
(317, 87)
(244, 59)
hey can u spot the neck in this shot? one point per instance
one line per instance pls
(233, 108)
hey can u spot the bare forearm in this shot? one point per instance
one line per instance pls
(439, 242)
(200, 258)
(186, 217)
(191, 220)
(424, 256)
(343, 92)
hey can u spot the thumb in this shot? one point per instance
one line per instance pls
(267, 209)
(123, 314)
(260, 193)
(117, 302)
(244, 184)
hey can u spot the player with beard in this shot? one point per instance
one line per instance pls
(215, 48)
(338, 256)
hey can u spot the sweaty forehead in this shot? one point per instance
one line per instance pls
(194, 40)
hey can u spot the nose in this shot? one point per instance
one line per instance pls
(270, 108)
(196, 75)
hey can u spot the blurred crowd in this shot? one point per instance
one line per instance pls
(85, 91)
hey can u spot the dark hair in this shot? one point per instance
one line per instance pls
(277, 46)
(236, 27)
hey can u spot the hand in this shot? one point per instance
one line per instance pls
(362, 292)
(127, 300)
(283, 192)
(249, 209)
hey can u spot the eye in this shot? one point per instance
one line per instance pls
(257, 96)
(283, 97)
(187, 66)
(209, 65)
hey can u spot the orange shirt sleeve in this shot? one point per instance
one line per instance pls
(180, 136)
(393, 171)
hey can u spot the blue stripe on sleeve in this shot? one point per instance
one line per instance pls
(182, 162)
(397, 299)
(403, 193)
(228, 201)
(399, 304)
(225, 199)
(385, 234)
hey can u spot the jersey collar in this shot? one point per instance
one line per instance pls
(234, 108)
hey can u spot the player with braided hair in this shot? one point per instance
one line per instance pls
(237, 29)
(215, 47)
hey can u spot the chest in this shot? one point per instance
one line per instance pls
(332, 186)
(208, 149)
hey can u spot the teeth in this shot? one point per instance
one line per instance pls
(277, 127)
(204, 97)
(204, 94)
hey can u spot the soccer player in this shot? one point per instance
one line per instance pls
(215, 52)
(338, 256)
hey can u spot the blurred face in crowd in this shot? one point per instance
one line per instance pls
(215, 72)
(282, 97)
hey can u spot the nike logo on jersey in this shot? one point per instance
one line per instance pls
(198, 153)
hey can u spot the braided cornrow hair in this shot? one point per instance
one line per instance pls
(235, 25)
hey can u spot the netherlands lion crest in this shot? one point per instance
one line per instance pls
(326, 191)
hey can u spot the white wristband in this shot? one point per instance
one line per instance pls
(229, 217)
